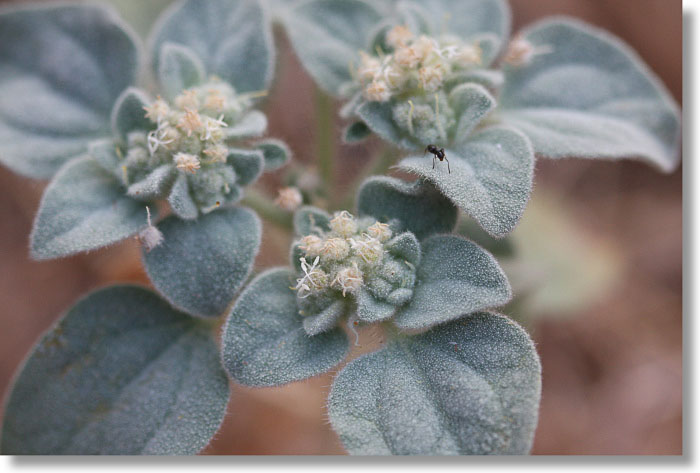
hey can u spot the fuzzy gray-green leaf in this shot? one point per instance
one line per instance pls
(83, 208)
(155, 185)
(233, 39)
(489, 177)
(356, 132)
(471, 387)
(128, 113)
(308, 220)
(418, 206)
(406, 247)
(276, 153)
(180, 199)
(252, 125)
(264, 342)
(62, 69)
(471, 104)
(455, 277)
(200, 265)
(121, 373)
(327, 34)
(179, 68)
(248, 164)
(587, 94)
(470, 19)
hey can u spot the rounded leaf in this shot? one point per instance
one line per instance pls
(276, 153)
(589, 95)
(471, 387)
(128, 113)
(489, 177)
(327, 34)
(232, 38)
(264, 342)
(179, 68)
(308, 220)
(418, 206)
(63, 67)
(83, 208)
(455, 277)
(201, 264)
(121, 373)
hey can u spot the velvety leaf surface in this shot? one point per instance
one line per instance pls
(356, 132)
(121, 373)
(155, 184)
(455, 277)
(471, 104)
(276, 153)
(490, 179)
(248, 164)
(232, 38)
(590, 96)
(252, 125)
(327, 35)
(379, 118)
(180, 199)
(469, 19)
(420, 208)
(83, 208)
(128, 113)
(179, 68)
(264, 342)
(61, 69)
(308, 220)
(470, 387)
(201, 264)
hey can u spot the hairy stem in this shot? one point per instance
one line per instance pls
(324, 140)
(267, 209)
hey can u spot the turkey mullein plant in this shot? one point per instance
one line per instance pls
(130, 370)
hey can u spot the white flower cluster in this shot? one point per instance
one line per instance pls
(190, 131)
(341, 258)
(417, 62)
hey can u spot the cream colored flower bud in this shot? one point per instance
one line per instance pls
(469, 55)
(187, 99)
(348, 279)
(335, 249)
(398, 36)
(377, 91)
(191, 122)
(368, 248)
(369, 67)
(187, 162)
(289, 198)
(520, 52)
(312, 245)
(431, 77)
(407, 57)
(216, 153)
(380, 231)
(343, 223)
(157, 111)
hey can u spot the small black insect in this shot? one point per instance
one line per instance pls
(438, 154)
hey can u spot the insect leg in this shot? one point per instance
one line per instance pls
(448, 165)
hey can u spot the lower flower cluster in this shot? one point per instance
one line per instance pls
(354, 255)
(189, 139)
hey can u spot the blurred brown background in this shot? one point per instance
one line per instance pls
(612, 359)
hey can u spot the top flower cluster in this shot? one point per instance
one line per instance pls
(416, 63)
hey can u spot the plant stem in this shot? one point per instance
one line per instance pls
(325, 145)
(267, 209)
